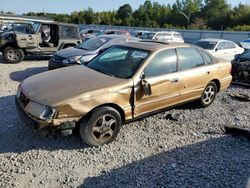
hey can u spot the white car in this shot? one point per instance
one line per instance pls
(164, 36)
(220, 48)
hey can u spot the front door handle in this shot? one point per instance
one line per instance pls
(175, 80)
(208, 72)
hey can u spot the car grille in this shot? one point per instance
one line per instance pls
(23, 99)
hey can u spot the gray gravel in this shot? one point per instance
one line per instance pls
(190, 150)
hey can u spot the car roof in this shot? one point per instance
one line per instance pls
(214, 40)
(167, 32)
(113, 36)
(151, 45)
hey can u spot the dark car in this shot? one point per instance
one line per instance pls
(241, 67)
(86, 51)
(245, 56)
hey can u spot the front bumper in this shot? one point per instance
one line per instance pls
(64, 128)
(27, 119)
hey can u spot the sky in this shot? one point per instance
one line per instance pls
(68, 6)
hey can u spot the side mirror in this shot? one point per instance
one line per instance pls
(101, 51)
(145, 85)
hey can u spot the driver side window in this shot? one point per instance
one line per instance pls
(164, 62)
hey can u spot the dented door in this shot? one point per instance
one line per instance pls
(27, 40)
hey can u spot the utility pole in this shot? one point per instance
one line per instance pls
(187, 17)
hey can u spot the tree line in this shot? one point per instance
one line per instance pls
(191, 14)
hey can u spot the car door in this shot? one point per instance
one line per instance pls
(222, 51)
(232, 50)
(195, 73)
(163, 79)
(28, 38)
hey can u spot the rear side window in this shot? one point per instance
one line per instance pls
(229, 45)
(68, 32)
(164, 62)
(189, 58)
(207, 58)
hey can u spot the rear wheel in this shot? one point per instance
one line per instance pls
(208, 94)
(13, 55)
(102, 127)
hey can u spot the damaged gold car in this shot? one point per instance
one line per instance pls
(123, 83)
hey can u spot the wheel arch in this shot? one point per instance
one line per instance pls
(112, 105)
(218, 84)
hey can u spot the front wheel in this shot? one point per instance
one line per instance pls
(13, 55)
(208, 94)
(102, 127)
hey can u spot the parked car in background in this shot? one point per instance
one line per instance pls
(138, 33)
(220, 48)
(117, 32)
(90, 32)
(123, 83)
(86, 51)
(39, 38)
(245, 44)
(245, 56)
(241, 67)
(164, 36)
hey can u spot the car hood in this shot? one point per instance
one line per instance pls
(72, 52)
(55, 87)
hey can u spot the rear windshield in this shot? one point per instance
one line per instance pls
(93, 43)
(208, 45)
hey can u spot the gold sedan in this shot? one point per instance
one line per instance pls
(123, 83)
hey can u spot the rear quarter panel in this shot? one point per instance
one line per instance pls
(223, 73)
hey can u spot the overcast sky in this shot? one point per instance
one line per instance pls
(68, 6)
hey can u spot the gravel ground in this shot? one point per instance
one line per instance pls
(189, 150)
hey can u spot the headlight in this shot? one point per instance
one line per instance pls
(72, 60)
(18, 92)
(40, 111)
(48, 113)
(86, 58)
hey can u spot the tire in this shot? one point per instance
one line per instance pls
(13, 55)
(101, 127)
(208, 94)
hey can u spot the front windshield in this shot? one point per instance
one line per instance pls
(22, 28)
(118, 61)
(147, 35)
(208, 45)
(35, 26)
(245, 55)
(93, 43)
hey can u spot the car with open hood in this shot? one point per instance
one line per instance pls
(124, 83)
(86, 51)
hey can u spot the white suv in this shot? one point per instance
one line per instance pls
(165, 36)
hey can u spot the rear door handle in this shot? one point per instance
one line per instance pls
(175, 80)
(208, 72)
